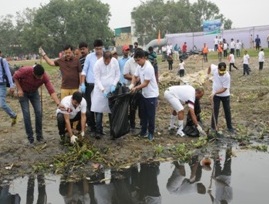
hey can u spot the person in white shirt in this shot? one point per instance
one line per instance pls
(216, 43)
(246, 68)
(232, 46)
(220, 93)
(72, 108)
(128, 72)
(181, 70)
(106, 74)
(261, 59)
(178, 96)
(150, 93)
(231, 61)
(238, 46)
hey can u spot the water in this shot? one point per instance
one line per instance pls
(246, 183)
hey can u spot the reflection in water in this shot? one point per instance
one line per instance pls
(154, 183)
(42, 196)
(222, 178)
(8, 198)
(178, 184)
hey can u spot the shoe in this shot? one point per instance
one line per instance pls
(30, 144)
(172, 127)
(97, 136)
(132, 131)
(141, 134)
(150, 136)
(13, 121)
(41, 141)
(180, 133)
(231, 130)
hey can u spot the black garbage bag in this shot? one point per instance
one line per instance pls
(119, 104)
(190, 129)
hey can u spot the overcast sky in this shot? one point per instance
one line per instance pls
(243, 13)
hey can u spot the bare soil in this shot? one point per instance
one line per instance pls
(250, 110)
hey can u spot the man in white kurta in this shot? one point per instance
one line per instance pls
(106, 74)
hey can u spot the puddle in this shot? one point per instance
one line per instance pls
(240, 179)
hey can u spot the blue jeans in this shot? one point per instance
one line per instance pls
(3, 104)
(34, 98)
(99, 126)
(148, 112)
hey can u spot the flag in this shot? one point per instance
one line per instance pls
(159, 37)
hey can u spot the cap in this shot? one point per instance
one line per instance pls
(125, 48)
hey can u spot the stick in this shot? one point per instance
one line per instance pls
(41, 92)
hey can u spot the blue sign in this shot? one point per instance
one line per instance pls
(211, 27)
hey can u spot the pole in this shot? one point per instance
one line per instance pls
(41, 92)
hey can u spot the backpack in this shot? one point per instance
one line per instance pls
(5, 78)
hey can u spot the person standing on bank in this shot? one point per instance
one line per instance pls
(70, 70)
(4, 70)
(28, 80)
(150, 92)
(220, 93)
(87, 82)
(106, 74)
(261, 59)
(73, 108)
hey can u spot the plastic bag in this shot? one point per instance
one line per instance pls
(119, 122)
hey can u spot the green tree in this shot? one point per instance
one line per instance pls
(173, 17)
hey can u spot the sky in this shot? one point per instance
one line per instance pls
(243, 13)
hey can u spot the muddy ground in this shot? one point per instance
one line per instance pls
(250, 110)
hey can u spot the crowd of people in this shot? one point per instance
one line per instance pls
(89, 78)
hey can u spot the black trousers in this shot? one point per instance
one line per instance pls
(90, 115)
(227, 111)
(61, 122)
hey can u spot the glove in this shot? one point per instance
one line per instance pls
(41, 52)
(131, 86)
(82, 134)
(105, 94)
(201, 131)
(82, 88)
(73, 139)
(112, 88)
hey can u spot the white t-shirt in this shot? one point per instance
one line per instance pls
(231, 58)
(181, 65)
(129, 68)
(261, 56)
(246, 59)
(232, 45)
(70, 109)
(216, 41)
(219, 82)
(184, 93)
(238, 45)
(147, 73)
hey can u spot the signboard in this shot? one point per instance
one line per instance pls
(211, 27)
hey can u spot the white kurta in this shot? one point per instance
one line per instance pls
(105, 76)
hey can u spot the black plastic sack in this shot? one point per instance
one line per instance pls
(119, 104)
(190, 129)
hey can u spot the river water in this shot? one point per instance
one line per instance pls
(240, 177)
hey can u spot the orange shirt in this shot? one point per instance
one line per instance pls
(205, 50)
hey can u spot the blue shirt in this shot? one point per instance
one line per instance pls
(88, 67)
(122, 62)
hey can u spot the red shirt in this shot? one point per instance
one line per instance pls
(184, 47)
(29, 83)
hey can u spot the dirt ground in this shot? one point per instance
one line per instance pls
(249, 107)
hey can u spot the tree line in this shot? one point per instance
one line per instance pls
(63, 22)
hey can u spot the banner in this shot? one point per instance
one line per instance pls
(211, 27)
